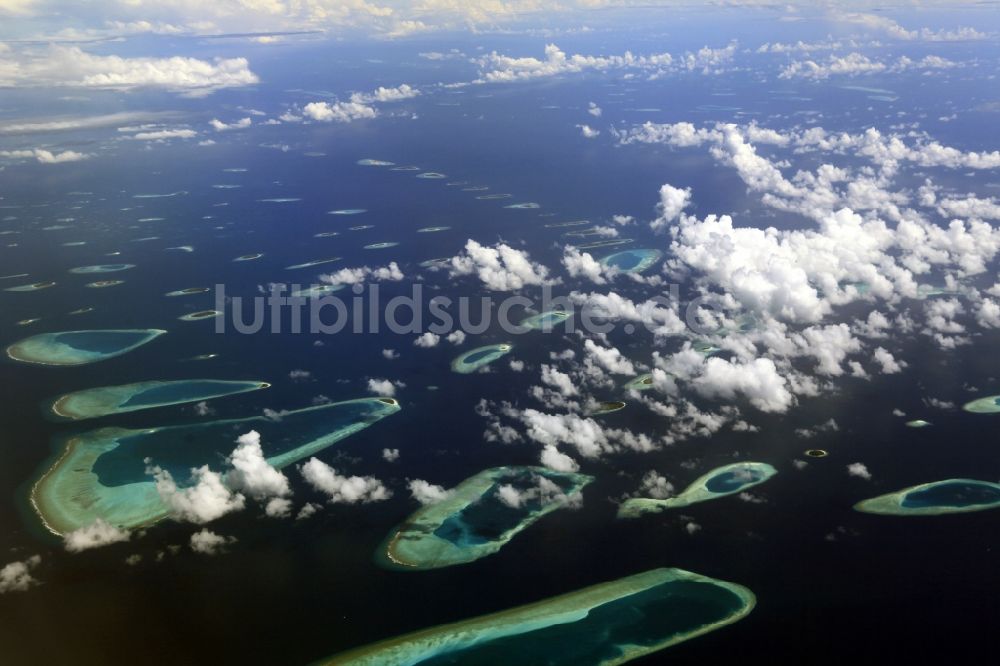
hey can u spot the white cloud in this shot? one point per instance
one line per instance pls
(163, 135)
(427, 493)
(456, 337)
(859, 470)
(390, 455)
(73, 67)
(384, 387)
(251, 472)
(588, 132)
(205, 500)
(390, 273)
(554, 459)
(500, 268)
(757, 380)
(340, 112)
(207, 542)
(855, 64)
(343, 489)
(220, 126)
(427, 340)
(97, 534)
(44, 156)
(673, 201)
(16, 576)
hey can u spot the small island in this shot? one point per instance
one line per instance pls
(720, 482)
(201, 314)
(602, 625)
(479, 357)
(477, 519)
(545, 321)
(80, 347)
(640, 383)
(936, 498)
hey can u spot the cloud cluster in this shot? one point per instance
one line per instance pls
(343, 489)
(71, 66)
(499, 268)
(16, 576)
(97, 534)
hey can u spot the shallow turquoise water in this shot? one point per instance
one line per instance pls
(955, 493)
(645, 619)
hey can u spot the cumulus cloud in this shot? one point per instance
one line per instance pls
(859, 470)
(500, 268)
(427, 340)
(673, 201)
(207, 542)
(343, 489)
(97, 534)
(338, 112)
(220, 126)
(72, 66)
(390, 273)
(427, 493)
(16, 576)
(252, 474)
(205, 500)
(384, 387)
(758, 381)
(855, 64)
(44, 156)
(588, 132)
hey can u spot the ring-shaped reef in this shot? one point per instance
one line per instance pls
(817, 453)
(34, 286)
(347, 211)
(80, 347)
(602, 625)
(633, 261)
(189, 291)
(476, 358)
(431, 230)
(988, 405)
(936, 498)
(490, 197)
(720, 482)
(474, 520)
(431, 175)
(380, 246)
(603, 243)
(102, 473)
(104, 400)
(249, 257)
(545, 321)
(371, 162)
(310, 264)
(527, 205)
(201, 314)
(316, 291)
(101, 268)
(104, 284)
